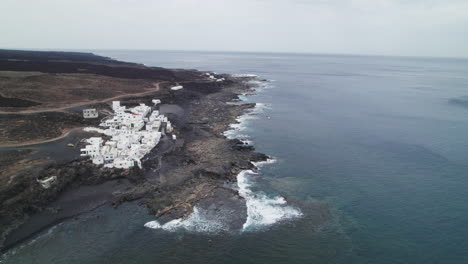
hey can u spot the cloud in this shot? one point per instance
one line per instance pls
(393, 27)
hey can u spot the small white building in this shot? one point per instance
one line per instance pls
(115, 105)
(47, 182)
(90, 113)
(178, 87)
(156, 102)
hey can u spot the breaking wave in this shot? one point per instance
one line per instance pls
(263, 210)
(197, 221)
(238, 130)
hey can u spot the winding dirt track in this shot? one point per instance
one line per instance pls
(65, 133)
(63, 108)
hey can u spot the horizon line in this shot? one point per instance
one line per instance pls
(239, 51)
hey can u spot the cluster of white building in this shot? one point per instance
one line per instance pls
(134, 133)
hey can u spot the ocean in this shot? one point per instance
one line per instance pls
(370, 165)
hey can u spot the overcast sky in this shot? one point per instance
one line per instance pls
(384, 27)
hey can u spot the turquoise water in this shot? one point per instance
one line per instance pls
(373, 151)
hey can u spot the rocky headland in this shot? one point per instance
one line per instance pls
(42, 95)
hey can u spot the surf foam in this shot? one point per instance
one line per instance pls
(197, 221)
(263, 210)
(238, 129)
(243, 75)
(260, 164)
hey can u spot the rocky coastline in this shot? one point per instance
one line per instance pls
(176, 175)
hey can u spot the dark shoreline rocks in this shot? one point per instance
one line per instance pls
(175, 177)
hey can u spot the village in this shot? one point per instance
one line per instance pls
(133, 133)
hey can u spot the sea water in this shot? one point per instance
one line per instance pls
(369, 165)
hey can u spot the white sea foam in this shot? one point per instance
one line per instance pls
(243, 75)
(263, 210)
(246, 141)
(197, 221)
(260, 164)
(237, 130)
(259, 86)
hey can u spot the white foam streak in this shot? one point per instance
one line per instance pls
(237, 130)
(243, 75)
(260, 164)
(197, 221)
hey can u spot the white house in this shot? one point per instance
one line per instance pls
(47, 182)
(178, 87)
(156, 102)
(90, 113)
